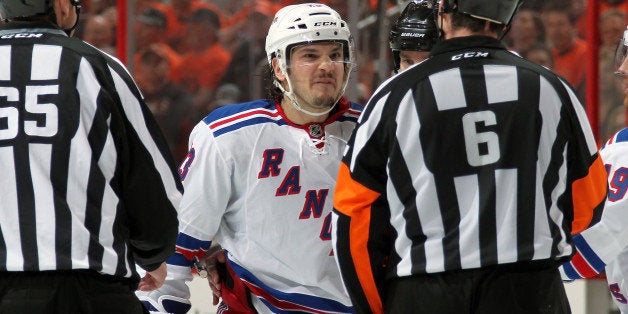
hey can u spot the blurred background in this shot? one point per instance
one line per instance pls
(192, 56)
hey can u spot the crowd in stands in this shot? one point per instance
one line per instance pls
(553, 33)
(192, 56)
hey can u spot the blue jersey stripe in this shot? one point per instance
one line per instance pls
(309, 301)
(179, 260)
(191, 243)
(571, 272)
(245, 123)
(588, 253)
(622, 135)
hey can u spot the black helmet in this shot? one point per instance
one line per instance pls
(497, 11)
(23, 8)
(414, 30)
(10, 9)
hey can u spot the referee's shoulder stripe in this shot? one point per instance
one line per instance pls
(233, 117)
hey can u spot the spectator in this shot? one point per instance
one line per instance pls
(578, 9)
(527, 31)
(177, 12)
(540, 54)
(149, 28)
(611, 87)
(568, 50)
(143, 5)
(613, 5)
(95, 7)
(205, 61)
(248, 63)
(100, 33)
(171, 104)
(226, 94)
(614, 121)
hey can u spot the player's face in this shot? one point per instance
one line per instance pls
(410, 58)
(621, 64)
(317, 73)
(623, 72)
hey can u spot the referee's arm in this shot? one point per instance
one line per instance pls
(152, 189)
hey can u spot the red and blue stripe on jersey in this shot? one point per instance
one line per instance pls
(585, 263)
(283, 302)
(187, 248)
(233, 117)
(230, 118)
(620, 136)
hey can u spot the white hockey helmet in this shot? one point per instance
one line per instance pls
(303, 24)
(306, 23)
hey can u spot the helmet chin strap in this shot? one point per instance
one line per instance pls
(292, 97)
(77, 7)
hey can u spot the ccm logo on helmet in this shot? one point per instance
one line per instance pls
(469, 55)
(325, 24)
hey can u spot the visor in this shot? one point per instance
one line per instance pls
(620, 68)
(315, 58)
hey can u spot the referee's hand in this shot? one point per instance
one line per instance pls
(153, 279)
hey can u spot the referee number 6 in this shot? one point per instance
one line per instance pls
(482, 147)
(50, 124)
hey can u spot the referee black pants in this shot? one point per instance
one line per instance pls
(530, 288)
(66, 292)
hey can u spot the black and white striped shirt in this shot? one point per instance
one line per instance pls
(87, 180)
(475, 157)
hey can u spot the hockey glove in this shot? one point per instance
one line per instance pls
(163, 304)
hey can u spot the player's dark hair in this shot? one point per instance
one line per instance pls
(272, 91)
(460, 20)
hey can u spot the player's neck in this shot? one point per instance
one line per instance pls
(298, 117)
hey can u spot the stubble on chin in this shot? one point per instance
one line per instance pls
(323, 102)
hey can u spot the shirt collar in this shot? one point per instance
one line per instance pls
(463, 43)
(15, 27)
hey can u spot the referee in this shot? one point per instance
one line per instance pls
(466, 177)
(88, 188)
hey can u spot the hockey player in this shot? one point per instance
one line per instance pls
(259, 177)
(614, 154)
(413, 34)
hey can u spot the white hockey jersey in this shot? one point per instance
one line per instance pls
(262, 188)
(615, 157)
